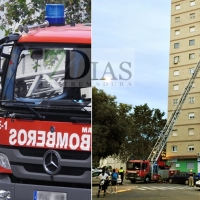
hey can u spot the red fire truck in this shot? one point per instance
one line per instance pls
(45, 112)
(146, 171)
(153, 168)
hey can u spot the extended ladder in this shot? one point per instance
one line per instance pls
(161, 142)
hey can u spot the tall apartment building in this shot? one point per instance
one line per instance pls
(183, 144)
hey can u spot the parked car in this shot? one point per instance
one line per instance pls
(93, 168)
(198, 184)
(119, 180)
(95, 177)
(182, 177)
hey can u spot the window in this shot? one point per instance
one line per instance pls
(177, 19)
(191, 70)
(191, 56)
(192, 28)
(190, 147)
(176, 87)
(178, 7)
(191, 115)
(176, 59)
(144, 165)
(175, 101)
(177, 32)
(176, 45)
(174, 133)
(192, 3)
(176, 73)
(191, 99)
(192, 15)
(191, 42)
(174, 148)
(178, 165)
(190, 131)
(46, 76)
(190, 165)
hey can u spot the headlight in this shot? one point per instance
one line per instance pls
(198, 182)
(4, 162)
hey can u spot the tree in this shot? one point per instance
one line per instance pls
(23, 12)
(110, 124)
(146, 128)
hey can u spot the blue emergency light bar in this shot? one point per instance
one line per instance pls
(55, 14)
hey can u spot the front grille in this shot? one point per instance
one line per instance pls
(73, 171)
(132, 175)
(27, 164)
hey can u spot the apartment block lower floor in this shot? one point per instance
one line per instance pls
(185, 165)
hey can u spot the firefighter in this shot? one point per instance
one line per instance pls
(191, 179)
(121, 172)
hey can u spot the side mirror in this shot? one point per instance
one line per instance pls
(37, 54)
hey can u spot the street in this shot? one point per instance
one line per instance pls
(151, 191)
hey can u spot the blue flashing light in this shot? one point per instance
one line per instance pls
(55, 14)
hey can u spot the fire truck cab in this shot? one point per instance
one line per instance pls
(140, 170)
(45, 113)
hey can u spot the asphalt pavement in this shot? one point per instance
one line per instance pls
(127, 186)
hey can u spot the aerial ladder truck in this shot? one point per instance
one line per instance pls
(148, 170)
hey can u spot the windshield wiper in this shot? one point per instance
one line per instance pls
(16, 115)
(80, 119)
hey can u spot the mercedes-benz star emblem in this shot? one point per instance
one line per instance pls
(51, 162)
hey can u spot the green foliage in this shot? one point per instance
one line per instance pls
(121, 131)
(20, 12)
(110, 124)
(51, 56)
(146, 128)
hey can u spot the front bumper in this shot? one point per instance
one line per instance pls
(137, 178)
(26, 192)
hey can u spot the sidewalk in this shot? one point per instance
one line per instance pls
(120, 188)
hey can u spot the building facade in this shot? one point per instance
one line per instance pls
(183, 144)
(112, 162)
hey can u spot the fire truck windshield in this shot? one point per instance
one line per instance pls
(133, 165)
(48, 72)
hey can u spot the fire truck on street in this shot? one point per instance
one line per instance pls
(45, 111)
(154, 168)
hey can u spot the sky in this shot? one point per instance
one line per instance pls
(133, 35)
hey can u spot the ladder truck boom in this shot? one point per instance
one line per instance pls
(161, 142)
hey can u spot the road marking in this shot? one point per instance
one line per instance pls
(160, 188)
(165, 188)
(141, 189)
(148, 188)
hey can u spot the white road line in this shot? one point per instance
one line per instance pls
(148, 188)
(164, 188)
(160, 188)
(141, 189)
(185, 188)
(169, 188)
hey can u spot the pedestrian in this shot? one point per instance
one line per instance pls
(121, 173)
(102, 185)
(114, 182)
(191, 179)
(107, 180)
